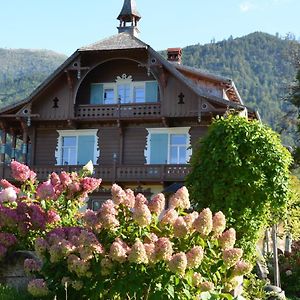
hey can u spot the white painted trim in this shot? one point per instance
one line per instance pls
(169, 131)
(76, 132)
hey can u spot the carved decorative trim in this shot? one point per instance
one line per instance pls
(124, 79)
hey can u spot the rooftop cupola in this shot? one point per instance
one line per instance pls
(129, 17)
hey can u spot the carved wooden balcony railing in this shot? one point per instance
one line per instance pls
(118, 111)
(116, 173)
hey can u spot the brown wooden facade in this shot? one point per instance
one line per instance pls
(186, 98)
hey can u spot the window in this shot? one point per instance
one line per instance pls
(178, 148)
(77, 147)
(139, 94)
(168, 146)
(69, 149)
(123, 91)
(109, 95)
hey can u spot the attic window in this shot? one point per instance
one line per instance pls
(124, 91)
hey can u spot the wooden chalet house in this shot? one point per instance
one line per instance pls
(119, 103)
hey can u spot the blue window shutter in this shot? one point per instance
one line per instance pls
(96, 93)
(159, 148)
(86, 146)
(151, 91)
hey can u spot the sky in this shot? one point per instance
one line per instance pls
(66, 25)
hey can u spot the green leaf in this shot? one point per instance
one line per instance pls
(171, 291)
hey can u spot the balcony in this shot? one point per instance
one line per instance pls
(118, 111)
(115, 173)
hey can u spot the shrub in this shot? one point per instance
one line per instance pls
(242, 169)
(289, 265)
(132, 249)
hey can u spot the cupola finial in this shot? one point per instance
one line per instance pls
(129, 14)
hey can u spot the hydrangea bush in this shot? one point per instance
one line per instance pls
(134, 249)
(30, 210)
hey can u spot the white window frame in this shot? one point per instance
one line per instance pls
(169, 131)
(77, 133)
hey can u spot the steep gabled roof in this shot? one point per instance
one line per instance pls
(124, 41)
(231, 89)
(119, 41)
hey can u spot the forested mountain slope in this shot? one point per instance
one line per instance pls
(22, 70)
(259, 63)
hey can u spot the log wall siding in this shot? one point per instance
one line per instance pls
(170, 106)
(134, 145)
(197, 132)
(46, 143)
(109, 143)
(44, 105)
(108, 72)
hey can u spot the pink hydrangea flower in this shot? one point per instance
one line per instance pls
(65, 178)
(108, 207)
(74, 187)
(32, 176)
(150, 251)
(53, 216)
(40, 247)
(31, 265)
(38, 288)
(203, 224)
(80, 267)
(129, 200)
(142, 215)
(242, 268)
(90, 184)
(45, 190)
(196, 279)
(19, 171)
(194, 257)
(151, 238)
(189, 220)
(7, 239)
(178, 263)
(138, 253)
(180, 228)
(169, 217)
(219, 223)
(206, 286)
(180, 199)
(157, 204)
(106, 266)
(232, 256)
(8, 195)
(109, 221)
(163, 249)
(118, 252)
(140, 200)
(92, 220)
(118, 194)
(54, 179)
(227, 239)
(5, 184)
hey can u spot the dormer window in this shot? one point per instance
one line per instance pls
(124, 91)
